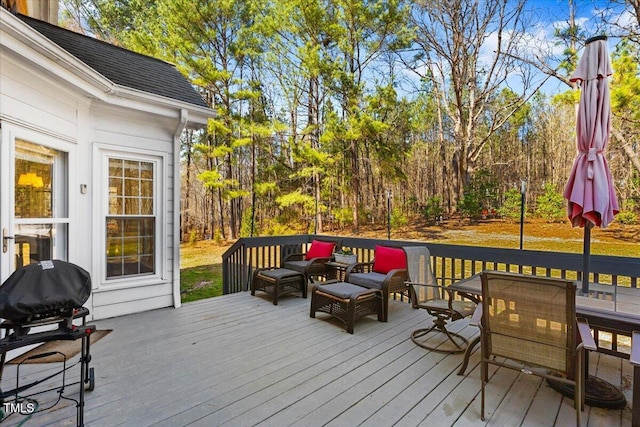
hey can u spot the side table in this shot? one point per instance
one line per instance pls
(337, 270)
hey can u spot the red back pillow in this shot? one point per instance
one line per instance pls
(387, 259)
(320, 249)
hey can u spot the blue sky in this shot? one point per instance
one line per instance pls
(590, 16)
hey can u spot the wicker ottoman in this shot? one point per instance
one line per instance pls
(277, 282)
(346, 302)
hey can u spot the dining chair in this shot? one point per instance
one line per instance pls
(529, 323)
(439, 302)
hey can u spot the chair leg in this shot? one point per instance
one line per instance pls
(351, 314)
(579, 388)
(483, 377)
(382, 311)
(439, 325)
(385, 307)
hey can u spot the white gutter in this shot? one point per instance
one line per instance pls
(182, 124)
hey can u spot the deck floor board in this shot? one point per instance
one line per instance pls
(239, 360)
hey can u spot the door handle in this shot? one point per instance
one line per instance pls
(5, 240)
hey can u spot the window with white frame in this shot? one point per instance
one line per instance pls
(131, 219)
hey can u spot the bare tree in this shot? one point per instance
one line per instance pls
(470, 51)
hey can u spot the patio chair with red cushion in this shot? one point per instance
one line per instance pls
(387, 272)
(312, 263)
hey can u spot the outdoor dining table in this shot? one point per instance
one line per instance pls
(597, 312)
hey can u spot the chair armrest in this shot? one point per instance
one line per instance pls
(635, 348)
(293, 257)
(477, 315)
(424, 285)
(315, 263)
(438, 294)
(358, 267)
(395, 274)
(394, 280)
(585, 335)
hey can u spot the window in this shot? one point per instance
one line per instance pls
(131, 220)
(40, 210)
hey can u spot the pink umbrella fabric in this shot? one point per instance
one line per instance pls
(589, 191)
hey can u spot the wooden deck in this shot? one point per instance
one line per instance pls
(238, 360)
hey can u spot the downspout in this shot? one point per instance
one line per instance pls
(182, 124)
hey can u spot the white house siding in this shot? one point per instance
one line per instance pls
(131, 133)
(29, 101)
(42, 110)
(48, 112)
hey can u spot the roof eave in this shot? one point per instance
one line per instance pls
(125, 96)
(92, 83)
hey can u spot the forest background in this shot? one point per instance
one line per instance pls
(335, 114)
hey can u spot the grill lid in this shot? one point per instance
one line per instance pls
(49, 288)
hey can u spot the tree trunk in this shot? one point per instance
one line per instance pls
(355, 185)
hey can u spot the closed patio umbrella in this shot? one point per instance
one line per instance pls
(591, 197)
(589, 191)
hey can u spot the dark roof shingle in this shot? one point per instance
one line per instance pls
(121, 66)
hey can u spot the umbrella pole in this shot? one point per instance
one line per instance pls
(586, 251)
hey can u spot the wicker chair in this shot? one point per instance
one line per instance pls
(531, 322)
(380, 274)
(438, 301)
(314, 266)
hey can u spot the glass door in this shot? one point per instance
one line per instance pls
(39, 219)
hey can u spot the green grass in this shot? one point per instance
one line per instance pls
(201, 282)
(201, 270)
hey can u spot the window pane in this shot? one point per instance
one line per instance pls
(114, 267)
(115, 167)
(146, 207)
(131, 187)
(115, 186)
(146, 264)
(34, 167)
(39, 242)
(146, 188)
(131, 169)
(114, 247)
(131, 265)
(131, 206)
(146, 170)
(130, 246)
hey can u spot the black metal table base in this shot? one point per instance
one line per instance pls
(598, 393)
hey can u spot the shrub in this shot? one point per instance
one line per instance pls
(398, 219)
(470, 205)
(245, 225)
(550, 205)
(217, 236)
(627, 217)
(343, 216)
(510, 208)
(627, 213)
(433, 209)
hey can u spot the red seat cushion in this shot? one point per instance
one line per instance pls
(320, 249)
(387, 259)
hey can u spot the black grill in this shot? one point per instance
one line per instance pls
(49, 294)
